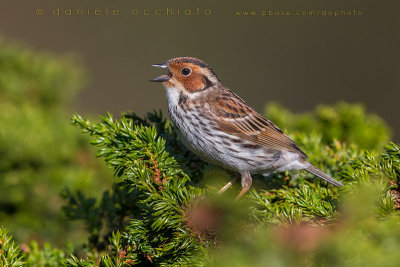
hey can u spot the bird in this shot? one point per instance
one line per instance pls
(219, 127)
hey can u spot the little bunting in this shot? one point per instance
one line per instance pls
(219, 127)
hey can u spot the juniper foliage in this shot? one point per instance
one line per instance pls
(163, 208)
(10, 255)
(157, 232)
(166, 225)
(156, 214)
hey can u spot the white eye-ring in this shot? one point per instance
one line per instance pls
(186, 71)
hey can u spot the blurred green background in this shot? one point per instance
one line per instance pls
(40, 153)
(53, 66)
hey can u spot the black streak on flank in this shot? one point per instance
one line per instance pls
(251, 146)
(277, 155)
(226, 143)
(248, 161)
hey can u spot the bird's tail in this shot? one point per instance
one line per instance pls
(323, 176)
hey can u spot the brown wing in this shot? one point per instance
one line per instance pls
(237, 118)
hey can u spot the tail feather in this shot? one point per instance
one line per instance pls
(323, 176)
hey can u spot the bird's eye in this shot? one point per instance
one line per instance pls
(186, 71)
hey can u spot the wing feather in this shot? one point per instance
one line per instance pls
(239, 119)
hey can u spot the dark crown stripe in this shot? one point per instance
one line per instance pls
(193, 60)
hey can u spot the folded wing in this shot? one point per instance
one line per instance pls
(239, 119)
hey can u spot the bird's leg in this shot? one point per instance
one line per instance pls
(223, 189)
(246, 184)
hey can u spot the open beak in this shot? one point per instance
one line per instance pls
(162, 78)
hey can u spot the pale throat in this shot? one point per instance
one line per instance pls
(172, 96)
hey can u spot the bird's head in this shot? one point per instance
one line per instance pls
(187, 74)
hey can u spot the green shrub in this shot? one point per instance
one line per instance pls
(156, 215)
(173, 221)
(345, 122)
(40, 154)
(42, 79)
(10, 255)
(163, 208)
